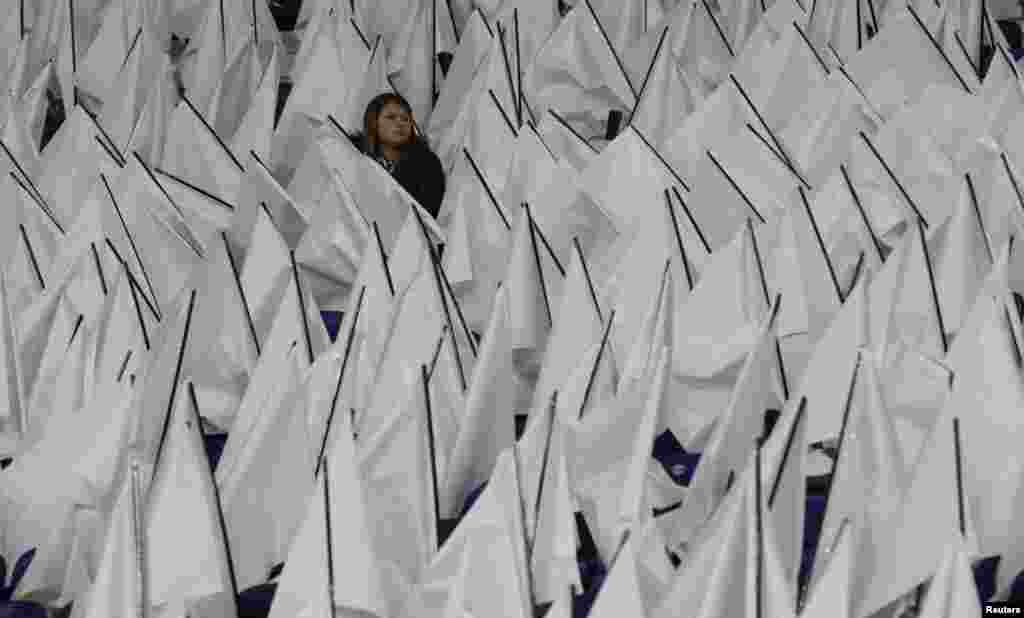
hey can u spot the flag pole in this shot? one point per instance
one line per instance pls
(341, 376)
(170, 200)
(679, 239)
(433, 54)
(863, 215)
(657, 154)
(216, 497)
(220, 142)
(1013, 179)
(174, 383)
(764, 288)
(132, 284)
(939, 49)
(735, 187)
(959, 476)
(586, 274)
(302, 308)
(131, 241)
(135, 286)
(504, 114)
(458, 310)
(255, 27)
(508, 66)
(1018, 356)
(99, 268)
(32, 256)
(330, 540)
(384, 259)
(558, 118)
(821, 245)
(487, 189)
(26, 181)
(764, 123)
(597, 364)
(718, 28)
(647, 75)
(759, 532)
(241, 293)
(977, 214)
(519, 68)
(527, 546)
(432, 454)
(840, 445)
(138, 539)
(611, 48)
(778, 156)
(537, 262)
(693, 222)
(934, 289)
(814, 50)
(552, 408)
(777, 483)
(547, 247)
(892, 176)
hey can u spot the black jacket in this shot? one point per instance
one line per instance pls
(419, 172)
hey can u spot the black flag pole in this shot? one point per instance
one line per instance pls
(821, 245)
(537, 262)
(302, 308)
(552, 410)
(679, 240)
(597, 363)
(781, 159)
(25, 181)
(764, 124)
(611, 48)
(863, 215)
(783, 381)
(654, 151)
(562, 121)
(759, 532)
(814, 50)
(967, 54)
(1018, 355)
(938, 48)
(131, 241)
(840, 446)
(977, 214)
(132, 285)
(329, 534)
(504, 115)
(463, 378)
(959, 476)
(433, 53)
(99, 268)
(32, 257)
(383, 259)
(177, 376)
(458, 309)
(777, 483)
(693, 221)
(216, 498)
(241, 293)
(74, 52)
(508, 71)
(170, 200)
(718, 28)
(647, 75)
(548, 248)
(487, 189)
(220, 142)
(527, 546)
(934, 289)
(735, 187)
(519, 68)
(586, 274)
(255, 26)
(892, 176)
(1013, 180)
(341, 376)
(431, 452)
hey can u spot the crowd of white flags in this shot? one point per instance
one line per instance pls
(812, 206)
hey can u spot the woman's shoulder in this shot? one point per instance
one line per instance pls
(420, 149)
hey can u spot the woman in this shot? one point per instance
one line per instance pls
(390, 138)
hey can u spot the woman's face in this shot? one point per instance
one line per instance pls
(394, 125)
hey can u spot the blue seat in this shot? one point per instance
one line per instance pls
(985, 577)
(20, 568)
(332, 321)
(214, 443)
(22, 609)
(678, 463)
(255, 602)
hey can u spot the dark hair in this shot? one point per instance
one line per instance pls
(369, 138)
